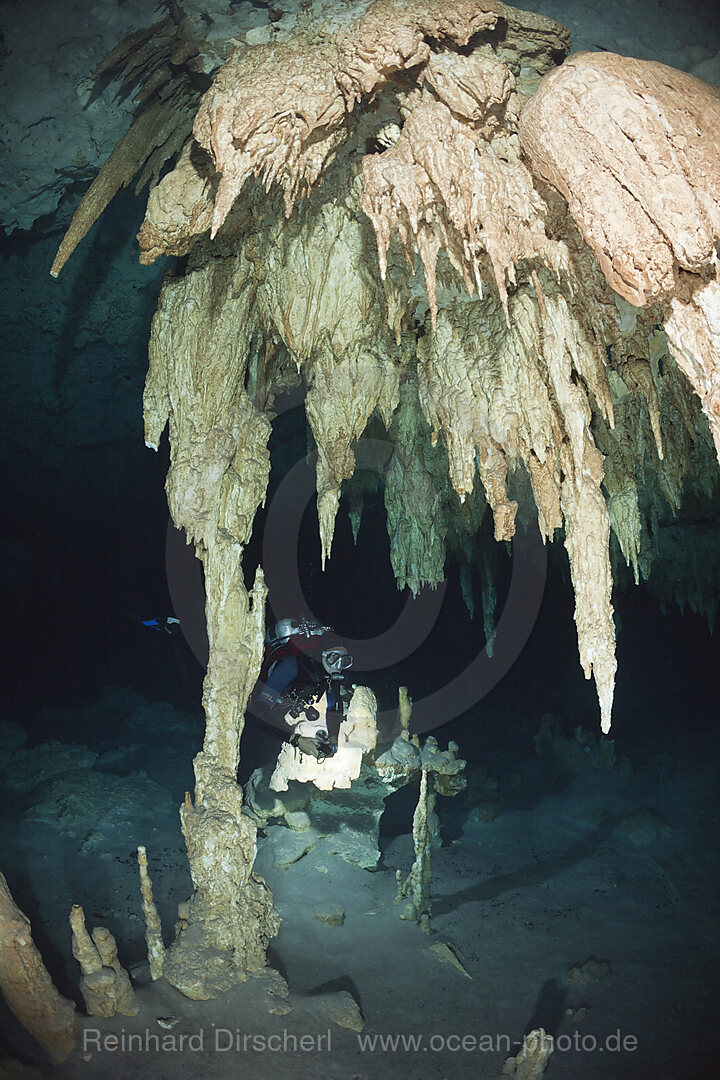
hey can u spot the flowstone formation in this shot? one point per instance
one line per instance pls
(646, 135)
(385, 201)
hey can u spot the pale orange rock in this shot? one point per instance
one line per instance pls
(632, 146)
(180, 207)
(392, 36)
(402, 120)
(27, 987)
(692, 324)
(274, 111)
(445, 186)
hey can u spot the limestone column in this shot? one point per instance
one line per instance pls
(26, 984)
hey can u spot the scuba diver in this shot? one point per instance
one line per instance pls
(294, 676)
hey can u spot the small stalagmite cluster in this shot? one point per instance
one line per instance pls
(507, 261)
(105, 984)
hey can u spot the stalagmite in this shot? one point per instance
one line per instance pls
(105, 984)
(153, 926)
(404, 709)
(531, 1062)
(230, 915)
(26, 984)
(415, 888)
(441, 772)
(501, 266)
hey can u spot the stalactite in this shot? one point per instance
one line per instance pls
(163, 61)
(417, 514)
(489, 601)
(644, 132)
(341, 397)
(692, 325)
(491, 221)
(408, 143)
(587, 529)
(320, 296)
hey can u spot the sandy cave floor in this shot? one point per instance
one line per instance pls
(602, 865)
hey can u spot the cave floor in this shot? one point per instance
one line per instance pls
(613, 868)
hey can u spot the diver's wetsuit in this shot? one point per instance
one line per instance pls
(292, 679)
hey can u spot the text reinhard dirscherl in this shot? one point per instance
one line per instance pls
(216, 1039)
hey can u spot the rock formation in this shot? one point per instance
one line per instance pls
(217, 479)
(105, 984)
(632, 147)
(27, 987)
(443, 771)
(508, 263)
(349, 814)
(489, 318)
(357, 736)
(415, 888)
(532, 1060)
(153, 925)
